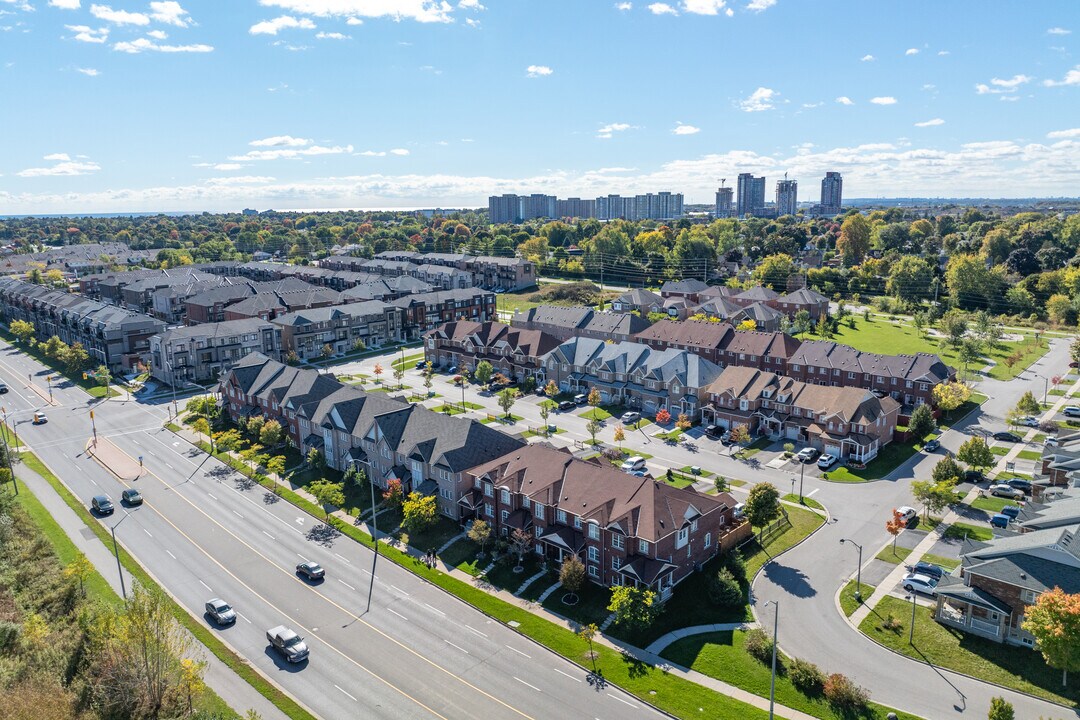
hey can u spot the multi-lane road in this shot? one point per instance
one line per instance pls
(417, 653)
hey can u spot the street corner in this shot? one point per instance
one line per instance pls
(113, 459)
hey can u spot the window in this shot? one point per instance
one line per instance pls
(708, 540)
(682, 537)
(560, 516)
(594, 571)
(618, 541)
(743, 404)
(616, 562)
(594, 531)
(851, 376)
(488, 490)
(795, 368)
(538, 511)
(594, 554)
(539, 531)
(643, 547)
(503, 515)
(504, 496)
(1029, 596)
(693, 526)
(577, 522)
(488, 510)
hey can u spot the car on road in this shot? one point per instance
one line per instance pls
(1005, 491)
(1004, 436)
(310, 570)
(39, 418)
(826, 461)
(581, 399)
(1028, 421)
(930, 570)
(808, 454)
(566, 406)
(102, 505)
(907, 513)
(3, 388)
(633, 463)
(629, 418)
(931, 445)
(285, 640)
(1071, 411)
(131, 497)
(421, 364)
(915, 583)
(1020, 484)
(220, 611)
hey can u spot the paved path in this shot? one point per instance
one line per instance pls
(663, 641)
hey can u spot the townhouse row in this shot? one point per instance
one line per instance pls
(446, 270)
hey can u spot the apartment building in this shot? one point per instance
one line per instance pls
(427, 311)
(625, 530)
(209, 305)
(515, 353)
(306, 332)
(201, 353)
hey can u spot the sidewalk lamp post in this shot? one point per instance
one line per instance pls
(116, 552)
(48, 379)
(858, 572)
(802, 472)
(776, 628)
(375, 538)
(911, 630)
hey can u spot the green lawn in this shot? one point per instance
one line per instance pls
(976, 399)
(896, 556)
(991, 504)
(462, 555)
(806, 501)
(1015, 667)
(448, 409)
(678, 479)
(602, 412)
(436, 536)
(941, 561)
(686, 470)
(591, 606)
(888, 459)
(958, 531)
(848, 603)
(722, 655)
(999, 450)
(408, 362)
(1029, 455)
(803, 522)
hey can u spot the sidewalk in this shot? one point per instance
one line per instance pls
(233, 690)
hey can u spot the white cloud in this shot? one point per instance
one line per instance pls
(372, 153)
(809, 106)
(1058, 31)
(1009, 98)
(118, 17)
(228, 166)
(470, 5)
(271, 27)
(884, 100)
(354, 21)
(759, 100)
(143, 45)
(930, 123)
(911, 51)
(659, 8)
(400, 152)
(425, 11)
(89, 72)
(867, 58)
(1014, 81)
(472, 22)
(703, 7)
(87, 34)
(943, 53)
(280, 141)
(1071, 78)
(241, 180)
(157, 34)
(170, 13)
(998, 86)
(760, 5)
(624, 6)
(844, 100)
(64, 166)
(1063, 134)
(65, 4)
(332, 36)
(606, 131)
(681, 129)
(291, 153)
(535, 71)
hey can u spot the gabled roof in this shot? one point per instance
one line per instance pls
(690, 333)
(803, 296)
(689, 285)
(758, 294)
(640, 297)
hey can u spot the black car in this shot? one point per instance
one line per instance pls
(3, 388)
(1020, 484)
(102, 505)
(931, 445)
(541, 391)
(973, 476)
(927, 569)
(712, 430)
(131, 496)
(566, 406)
(1006, 437)
(311, 570)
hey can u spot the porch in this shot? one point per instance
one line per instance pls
(972, 610)
(649, 574)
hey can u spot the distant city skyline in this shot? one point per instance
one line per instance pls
(192, 105)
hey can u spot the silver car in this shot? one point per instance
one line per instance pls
(924, 584)
(220, 611)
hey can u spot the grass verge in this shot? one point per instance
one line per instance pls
(848, 602)
(959, 531)
(805, 501)
(894, 556)
(888, 459)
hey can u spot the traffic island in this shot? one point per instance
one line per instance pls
(113, 459)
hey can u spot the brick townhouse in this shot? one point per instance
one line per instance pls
(626, 530)
(426, 311)
(515, 353)
(268, 306)
(1060, 464)
(209, 305)
(306, 332)
(200, 353)
(569, 322)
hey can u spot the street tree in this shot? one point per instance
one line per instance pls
(739, 436)
(593, 427)
(951, 395)
(721, 484)
(663, 417)
(1054, 620)
(762, 504)
(80, 568)
(483, 372)
(934, 496)
(76, 357)
(521, 541)
(551, 389)
(103, 377)
(620, 435)
(635, 608)
(429, 378)
(229, 440)
(1001, 709)
(546, 406)
(192, 683)
(271, 433)
(922, 422)
(418, 512)
(378, 370)
(326, 351)
(1027, 404)
(594, 398)
(894, 526)
(394, 494)
(22, 330)
(724, 589)
(480, 533)
(683, 422)
(587, 633)
(970, 352)
(946, 469)
(201, 426)
(1074, 351)
(276, 465)
(327, 494)
(507, 398)
(355, 476)
(571, 576)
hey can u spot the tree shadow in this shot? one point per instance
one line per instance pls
(323, 534)
(636, 668)
(270, 498)
(243, 482)
(790, 579)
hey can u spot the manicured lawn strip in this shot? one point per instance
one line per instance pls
(435, 536)
(678, 480)
(462, 555)
(806, 501)
(999, 450)
(237, 664)
(722, 655)
(848, 603)
(591, 605)
(502, 417)
(958, 531)
(950, 648)
(448, 409)
(596, 413)
(672, 694)
(888, 459)
(533, 433)
(92, 388)
(1029, 455)
(408, 362)
(703, 474)
(991, 504)
(941, 561)
(896, 556)
(803, 522)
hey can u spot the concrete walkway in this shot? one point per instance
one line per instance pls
(658, 645)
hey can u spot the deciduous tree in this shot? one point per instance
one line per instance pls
(327, 493)
(572, 574)
(634, 608)
(922, 422)
(1054, 620)
(951, 395)
(22, 329)
(663, 417)
(507, 398)
(762, 504)
(483, 372)
(271, 433)
(480, 533)
(393, 494)
(418, 512)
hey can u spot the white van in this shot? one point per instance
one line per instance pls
(633, 463)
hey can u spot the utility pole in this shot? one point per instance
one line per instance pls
(802, 472)
(375, 537)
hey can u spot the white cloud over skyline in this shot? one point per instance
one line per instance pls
(283, 22)
(683, 129)
(930, 123)
(883, 100)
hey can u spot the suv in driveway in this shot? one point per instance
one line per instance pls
(808, 454)
(1071, 411)
(827, 461)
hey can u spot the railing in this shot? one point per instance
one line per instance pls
(983, 626)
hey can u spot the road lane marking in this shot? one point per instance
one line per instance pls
(345, 693)
(344, 558)
(567, 675)
(206, 586)
(147, 532)
(95, 482)
(527, 684)
(245, 618)
(237, 514)
(398, 614)
(624, 702)
(474, 630)
(518, 652)
(811, 493)
(169, 466)
(456, 646)
(171, 555)
(346, 584)
(301, 557)
(398, 589)
(212, 497)
(268, 535)
(436, 609)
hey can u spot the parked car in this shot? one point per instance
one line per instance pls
(1020, 484)
(738, 510)
(1012, 511)
(629, 418)
(633, 463)
(1005, 491)
(39, 418)
(102, 505)
(452, 370)
(421, 364)
(929, 570)
(1051, 442)
(220, 611)
(973, 476)
(1071, 411)
(808, 454)
(131, 497)
(1028, 421)
(311, 570)
(581, 399)
(1001, 520)
(915, 583)
(931, 445)
(291, 646)
(907, 513)
(712, 430)
(1006, 437)
(827, 461)
(725, 439)
(541, 391)
(566, 406)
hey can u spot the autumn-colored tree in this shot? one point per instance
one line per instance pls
(394, 494)
(271, 433)
(480, 533)
(739, 435)
(663, 417)
(894, 525)
(594, 397)
(378, 370)
(419, 512)
(747, 325)
(854, 240)
(22, 330)
(949, 396)
(683, 422)
(620, 435)
(1054, 620)
(551, 389)
(521, 541)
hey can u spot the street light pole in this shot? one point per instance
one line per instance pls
(116, 552)
(772, 681)
(802, 472)
(858, 571)
(375, 537)
(911, 630)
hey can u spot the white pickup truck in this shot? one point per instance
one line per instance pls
(291, 646)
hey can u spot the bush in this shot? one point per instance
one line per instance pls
(806, 677)
(759, 645)
(845, 695)
(891, 623)
(724, 589)
(734, 562)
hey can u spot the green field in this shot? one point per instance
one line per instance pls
(888, 459)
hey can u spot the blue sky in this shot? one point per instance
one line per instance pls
(125, 105)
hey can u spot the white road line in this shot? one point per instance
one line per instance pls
(811, 493)
(171, 555)
(474, 630)
(343, 557)
(94, 481)
(245, 618)
(518, 651)
(456, 646)
(345, 693)
(528, 685)
(345, 584)
(625, 702)
(169, 466)
(268, 535)
(567, 675)
(211, 496)
(398, 589)
(237, 514)
(205, 586)
(436, 609)
(398, 614)
(301, 557)
(147, 532)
